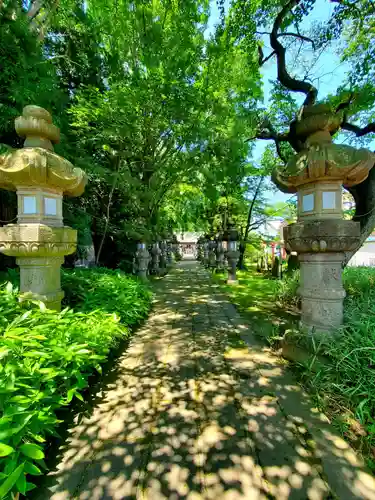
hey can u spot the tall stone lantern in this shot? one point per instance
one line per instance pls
(232, 254)
(321, 236)
(40, 177)
(142, 259)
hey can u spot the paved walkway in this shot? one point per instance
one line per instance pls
(194, 415)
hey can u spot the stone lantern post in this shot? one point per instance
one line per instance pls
(200, 249)
(212, 255)
(321, 236)
(232, 255)
(142, 259)
(169, 251)
(40, 177)
(220, 254)
(155, 259)
(163, 256)
(205, 251)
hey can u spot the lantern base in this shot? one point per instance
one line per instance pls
(142, 274)
(321, 291)
(40, 280)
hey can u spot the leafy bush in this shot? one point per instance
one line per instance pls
(286, 289)
(107, 290)
(47, 357)
(350, 377)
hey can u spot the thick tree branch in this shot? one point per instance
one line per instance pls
(282, 74)
(301, 37)
(358, 131)
(263, 61)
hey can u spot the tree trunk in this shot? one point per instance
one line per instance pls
(364, 197)
(108, 212)
(241, 261)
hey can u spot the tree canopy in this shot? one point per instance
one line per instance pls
(163, 113)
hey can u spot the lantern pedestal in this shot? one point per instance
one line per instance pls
(40, 251)
(220, 257)
(40, 280)
(142, 258)
(169, 254)
(155, 259)
(321, 246)
(233, 256)
(206, 259)
(211, 255)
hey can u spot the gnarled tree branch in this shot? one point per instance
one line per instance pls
(301, 37)
(358, 131)
(282, 74)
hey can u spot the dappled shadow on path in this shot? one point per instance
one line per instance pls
(190, 412)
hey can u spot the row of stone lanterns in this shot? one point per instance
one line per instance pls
(155, 258)
(220, 253)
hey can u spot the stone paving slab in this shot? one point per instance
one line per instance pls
(189, 417)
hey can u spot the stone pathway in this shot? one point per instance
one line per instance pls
(193, 414)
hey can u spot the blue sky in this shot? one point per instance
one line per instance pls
(329, 71)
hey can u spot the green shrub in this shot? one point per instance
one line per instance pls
(47, 357)
(286, 289)
(351, 376)
(347, 384)
(107, 290)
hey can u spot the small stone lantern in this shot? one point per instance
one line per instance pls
(169, 251)
(205, 251)
(220, 254)
(40, 177)
(232, 254)
(321, 236)
(142, 259)
(211, 255)
(176, 248)
(155, 259)
(163, 256)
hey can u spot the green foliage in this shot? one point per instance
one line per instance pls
(286, 289)
(345, 388)
(26, 76)
(106, 290)
(46, 359)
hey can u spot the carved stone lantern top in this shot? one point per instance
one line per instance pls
(320, 160)
(318, 172)
(36, 164)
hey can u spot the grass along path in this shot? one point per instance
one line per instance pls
(255, 296)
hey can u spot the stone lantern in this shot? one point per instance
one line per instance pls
(321, 236)
(220, 254)
(163, 256)
(211, 254)
(169, 251)
(232, 254)
(205, 251)
(176, 248)
(155, 259)
(142, 259)
(40, 177)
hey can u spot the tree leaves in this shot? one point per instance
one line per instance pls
(32, 451)
(5, 450)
